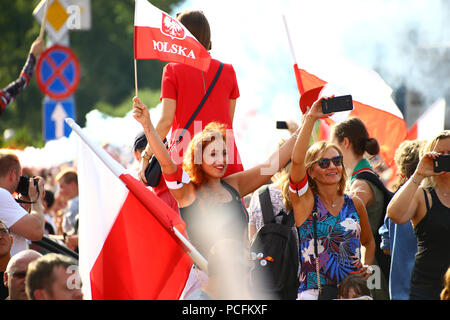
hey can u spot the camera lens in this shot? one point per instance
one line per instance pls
(23, 186)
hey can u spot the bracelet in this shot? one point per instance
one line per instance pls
(145, 155)
(416, 182)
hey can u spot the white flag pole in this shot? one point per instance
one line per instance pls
(289, 39)
(44, 20)
(135, 77)
(118, 170)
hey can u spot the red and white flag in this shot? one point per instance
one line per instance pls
(159, 36)
(430, 123)
(376, 109)
(127, 246)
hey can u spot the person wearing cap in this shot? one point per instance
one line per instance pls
(140, 142)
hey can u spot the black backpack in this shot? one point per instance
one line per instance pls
(384, 261)
(275, 253)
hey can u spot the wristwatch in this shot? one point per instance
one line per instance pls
(145, 155)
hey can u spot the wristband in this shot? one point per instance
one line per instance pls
(177, 179)
(414, 181)
(299, 188)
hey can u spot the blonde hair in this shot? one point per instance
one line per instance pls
(314, 153)
(211, 132)
(430, 182)
(282, 179)
(445, 294)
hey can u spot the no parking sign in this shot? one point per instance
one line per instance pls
(58, 72)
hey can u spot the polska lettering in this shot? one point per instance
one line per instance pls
(174, 48)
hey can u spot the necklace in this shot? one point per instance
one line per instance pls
(333, 203)
(444, 193)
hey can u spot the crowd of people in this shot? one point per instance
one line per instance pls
(355, 239)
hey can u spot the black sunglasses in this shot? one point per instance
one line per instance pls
(325, 162)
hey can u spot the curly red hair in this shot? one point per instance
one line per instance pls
(191, 162)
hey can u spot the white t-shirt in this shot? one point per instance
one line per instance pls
(10, 213)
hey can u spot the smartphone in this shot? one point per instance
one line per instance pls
(282, 125)
(442, 163)
(337, 104)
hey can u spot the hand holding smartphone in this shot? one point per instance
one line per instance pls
(282, 125)
(442, 163)
(337, 104)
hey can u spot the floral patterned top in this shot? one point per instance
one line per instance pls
(338, 245)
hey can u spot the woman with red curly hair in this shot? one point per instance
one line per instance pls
(210, 203)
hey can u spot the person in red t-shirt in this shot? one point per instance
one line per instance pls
(182, 89)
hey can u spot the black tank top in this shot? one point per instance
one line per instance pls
(206, 225)
(433, 244)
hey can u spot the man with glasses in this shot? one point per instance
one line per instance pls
(5, 255)
(14, 277)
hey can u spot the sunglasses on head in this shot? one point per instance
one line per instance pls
(325, 162)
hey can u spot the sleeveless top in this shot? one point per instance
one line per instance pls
(433, 240)
(205, 225)
(338, 245)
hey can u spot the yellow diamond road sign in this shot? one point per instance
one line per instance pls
(56, 17)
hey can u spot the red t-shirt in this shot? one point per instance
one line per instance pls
(185, 85)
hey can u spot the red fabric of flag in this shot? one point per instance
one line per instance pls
(159, 36)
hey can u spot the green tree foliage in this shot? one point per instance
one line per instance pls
(106, 59)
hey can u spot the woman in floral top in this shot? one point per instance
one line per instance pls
(331, 224)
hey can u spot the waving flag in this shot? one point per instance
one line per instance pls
(372, 101)
(430, 123)
(127, 242)
(159, 36)
(376, 109)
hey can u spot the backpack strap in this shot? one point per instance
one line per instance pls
(372, 177)
(236, 197)
(205, 97)
(266, 205)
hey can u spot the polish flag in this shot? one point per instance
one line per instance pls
(159, 36)
(372, 102)
(430, 123)
(127, 244)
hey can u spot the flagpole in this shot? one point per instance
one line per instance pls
(289, 39)
(118, 170)
(196, 256)
(44, 20)
(135, 77)
(298, 77)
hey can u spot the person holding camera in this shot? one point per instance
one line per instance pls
(23, 225)
(425, 200)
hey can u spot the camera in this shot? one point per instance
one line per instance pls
(442, 163)
(24, 185)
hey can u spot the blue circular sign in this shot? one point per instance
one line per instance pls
(58, 72)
